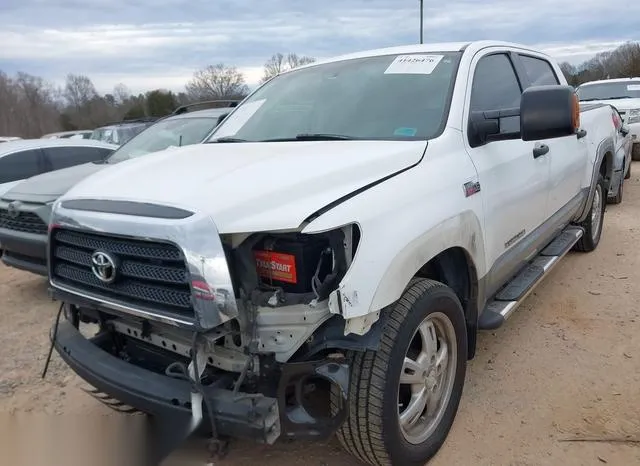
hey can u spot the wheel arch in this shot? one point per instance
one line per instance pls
(455, 268)
(603, 165)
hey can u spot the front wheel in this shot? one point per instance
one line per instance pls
(404, 397)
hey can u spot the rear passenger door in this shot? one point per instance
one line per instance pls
(513, 183)
(567, 155)
(65, 157)
(21, 165)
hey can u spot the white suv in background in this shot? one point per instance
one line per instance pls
(622, 93)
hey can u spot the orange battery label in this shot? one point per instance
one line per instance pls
(276, 266)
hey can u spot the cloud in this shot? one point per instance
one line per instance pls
(159, 43)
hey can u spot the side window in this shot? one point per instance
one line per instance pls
(495, 84)
(539, 71)
(64, 157)
(19, 166)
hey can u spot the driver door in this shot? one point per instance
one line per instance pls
(514, 182)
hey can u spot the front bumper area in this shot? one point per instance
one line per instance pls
(25, 251)
(160, 395)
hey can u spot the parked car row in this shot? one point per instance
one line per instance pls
(34, 173)
(347, 229)
(9, 138)
(79, 134)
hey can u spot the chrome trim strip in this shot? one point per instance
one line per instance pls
(196, 236)
(174, 321)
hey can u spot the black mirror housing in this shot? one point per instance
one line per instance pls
(550, 111)
(222, 117)
(624, 130)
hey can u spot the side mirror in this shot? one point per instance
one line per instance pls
(624, 130)
(546, 112)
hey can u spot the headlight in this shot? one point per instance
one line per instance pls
(634, 116)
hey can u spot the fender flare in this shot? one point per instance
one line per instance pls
(460, 231)
(606, 145)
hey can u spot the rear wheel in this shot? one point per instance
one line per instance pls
(617, 199)
(404, 397)
(593, 223)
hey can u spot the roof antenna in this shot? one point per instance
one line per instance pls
(421, 19)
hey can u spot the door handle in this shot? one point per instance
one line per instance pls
(540, 150)
(581, 133)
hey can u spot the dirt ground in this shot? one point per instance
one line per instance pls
(565, 367)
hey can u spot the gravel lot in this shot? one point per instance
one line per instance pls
(566, 367)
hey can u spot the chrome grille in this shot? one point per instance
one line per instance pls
(150, 275)
(26, 222)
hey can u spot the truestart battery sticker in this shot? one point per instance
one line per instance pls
(276, 266)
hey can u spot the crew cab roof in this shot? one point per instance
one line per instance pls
(423, 48)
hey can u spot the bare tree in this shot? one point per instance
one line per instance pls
(79, 90)
(279, 63)
(217, 82)
(121, 93)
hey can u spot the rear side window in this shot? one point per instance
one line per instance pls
(19, 166)
(539, 71)
(64, 157)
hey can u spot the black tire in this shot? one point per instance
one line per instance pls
(627, 175)
(589, 240)
(372, 431)
(617, 199)
(635, 151)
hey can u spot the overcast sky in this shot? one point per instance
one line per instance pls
(147, 44)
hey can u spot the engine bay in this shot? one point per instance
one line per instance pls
(285, 269)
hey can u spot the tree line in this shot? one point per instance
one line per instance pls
(622, 62)
(30, 106)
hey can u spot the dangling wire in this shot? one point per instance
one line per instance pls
(53, 341)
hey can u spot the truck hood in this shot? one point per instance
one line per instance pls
(47, 187)
(248, 187)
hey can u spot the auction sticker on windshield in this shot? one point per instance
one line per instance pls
(414, 64)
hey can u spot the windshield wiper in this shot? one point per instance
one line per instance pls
(617, 98)
(322, 137)
(228, 139)
(313, 137)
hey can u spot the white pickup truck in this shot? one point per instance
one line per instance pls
(342, 238)
(623, 94)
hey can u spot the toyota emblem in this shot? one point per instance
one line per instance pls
(103, 267)
(13, 209)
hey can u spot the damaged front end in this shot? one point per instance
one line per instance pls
(233, 329)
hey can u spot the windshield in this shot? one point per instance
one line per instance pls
(166, 133)
(394, 97)
(612, 90)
